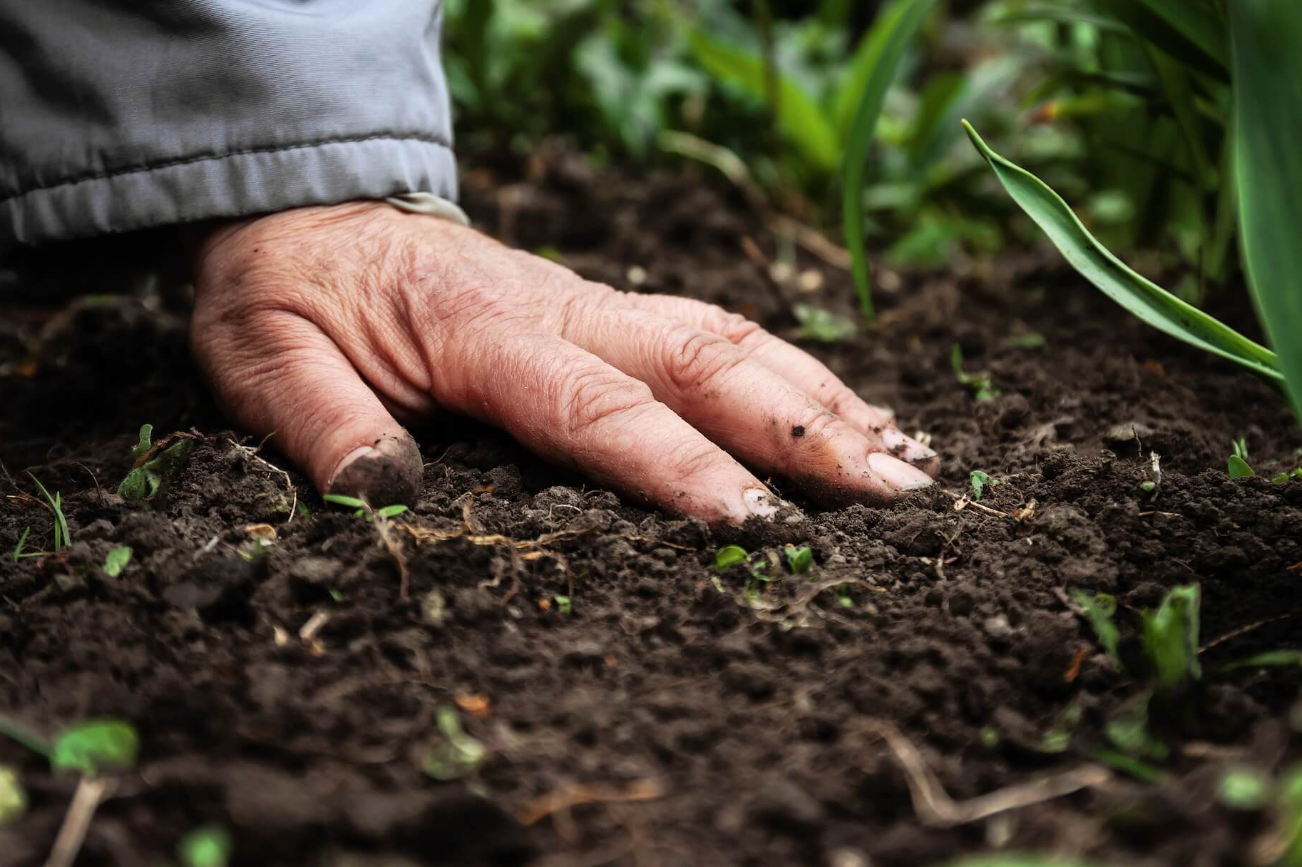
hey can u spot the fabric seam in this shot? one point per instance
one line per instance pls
(103, 176)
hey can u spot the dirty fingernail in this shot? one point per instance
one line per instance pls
(905, 448)
(760, 502)
(897, 473)
(385, 473)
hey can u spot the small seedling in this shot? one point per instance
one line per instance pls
(1238, 462)
(980, 480)
(822, 325)
(729, 555)
(1153, 483)
(563, 604)
(1283, 478)
(116, 561)
(13, 797)
(87, 747)
(980, 384)
(22, 540)
(364, 510)
(1244, 788)
(62, 538)
(459, 754)
(1170, 637)
(148, 478)
(1099, 610)
(208, 846)
(801, 559)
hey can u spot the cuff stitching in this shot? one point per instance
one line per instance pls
(99, 176)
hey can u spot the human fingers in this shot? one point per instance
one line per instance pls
(742, 405)
(798, 367)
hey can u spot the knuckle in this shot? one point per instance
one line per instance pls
(695, 358)
(732, 326)
(595, 398)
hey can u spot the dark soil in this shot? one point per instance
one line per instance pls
(663, 719)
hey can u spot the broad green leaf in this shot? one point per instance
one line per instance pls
(116, 561)
(800, 559)
(209, 846)
(13, 797)
(391, 511)
(729, 555)
(1267, 81)
(94, 746)
(980, 480)
(1145, 299)
(1238, 468)
(1171, 637)
(1187, 30)
(800, 119)
(897, 29)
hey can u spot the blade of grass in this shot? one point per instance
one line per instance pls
(61, 535)
(1267, 82)
(1145, 299)
(800, 119)
(1187, 30)
(899, 32)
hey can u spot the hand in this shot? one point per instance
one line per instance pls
(325, 325)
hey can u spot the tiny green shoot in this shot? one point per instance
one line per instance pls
(94, 746)
(207, 846)
(117, 560)
(22, 540)
(728, 556)
(13, 797)
(364, 510)
(1283, 478)
(1171, 637)
(801, 559)
(980, 384)
(564, 605)
(1099, 610)
(145, 481)
(459, 754)
(1243, 788)
(1029, 340)
(822, 325)
(1237, 465)
(980, 480)
(62, 538)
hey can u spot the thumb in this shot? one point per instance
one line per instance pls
(279, 374)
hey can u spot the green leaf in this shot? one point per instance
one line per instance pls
(94, 746)
(979, 480)
(209, 846)
(1128, 731)
(62, 538)
(1266, 659)
(822, 325)
(1099, 610)
(1267, 81)
(800, 559)
(140, 484)
(1238, 468)
(22, 540)
(391, 511)
(564, 604)
(459, 754)
(897, 26)
(1171, 637)
(116, 561)
(1244, 788)
(13, 797)
(1145, 299)
(729, 555)
(145, 441)
(345, 501)
(1137, 768)
(800, 118)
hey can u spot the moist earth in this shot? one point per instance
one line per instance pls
(639, 706)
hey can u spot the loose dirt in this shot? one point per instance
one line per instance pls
(288, 691)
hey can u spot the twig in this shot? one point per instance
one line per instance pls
(580, 794)
(289, 483)
(1243, 630)
(935, 808)
(90, 792)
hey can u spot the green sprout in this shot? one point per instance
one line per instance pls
(980, 384)
(117, 560)
(729, 555)
(980, 480)
(62, 537)
(822, 325)
(22, 540)
(801, 559)
(459, 754)
(154, 464)
(563, 604)
(207, 846)
(363, 508)
(88, 747)
(1283, 478)
(1238, 463)
(1244, 788)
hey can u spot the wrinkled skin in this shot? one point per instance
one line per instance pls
(328, 326)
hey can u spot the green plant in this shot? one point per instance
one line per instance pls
(729, 555)
(564, 605)
(154, 464)
(363, 508)
(116, 561)
(980, 384)
(22, 540)
(89, 747)
(62, 537)
(207, 846)
(822, 325)
(980, 480)
(458, 754)
(799, 559)
(1237, 466)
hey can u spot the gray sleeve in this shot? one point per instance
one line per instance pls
(117, 115)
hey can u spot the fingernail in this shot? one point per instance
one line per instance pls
(760, 502)
(386, 473)
(897, 473)
(905, 448)
(884, 411)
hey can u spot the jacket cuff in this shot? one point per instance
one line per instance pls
(235, 184)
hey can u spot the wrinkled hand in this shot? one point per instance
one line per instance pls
(325, 325)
